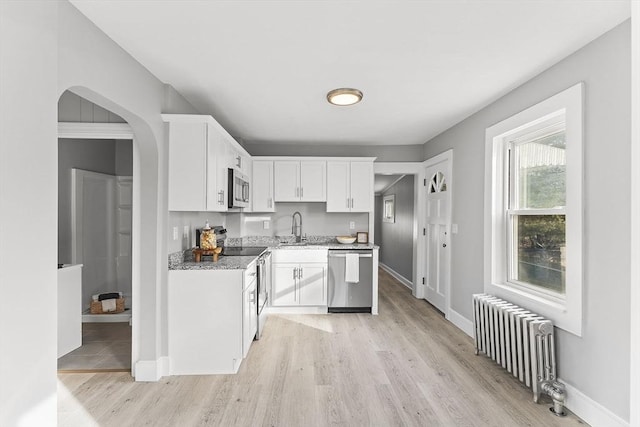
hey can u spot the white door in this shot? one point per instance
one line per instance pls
(438, 226)
(93, 231)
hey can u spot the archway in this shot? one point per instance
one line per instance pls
(145, 197)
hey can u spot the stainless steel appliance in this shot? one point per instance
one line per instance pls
(264, 284)
(238, 189)
(350, 297)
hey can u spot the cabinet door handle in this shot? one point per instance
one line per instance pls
(221, 197)
(348, 202)
(352, 203)
(294, 273)
(300, 275)
(301, 192)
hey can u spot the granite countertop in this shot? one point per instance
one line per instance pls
(327, 245)
(184, 260)
(223, 263)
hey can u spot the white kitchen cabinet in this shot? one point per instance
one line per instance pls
(300, 181)
(200, 153)
(249, 309)
(212, 319)
(262, 186)
(217, 176)
(283, 286)
(188, 166)
(299, 277)
(349, 186)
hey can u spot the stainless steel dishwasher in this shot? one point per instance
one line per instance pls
(350, 297)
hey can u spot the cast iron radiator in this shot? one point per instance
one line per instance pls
(520, 341)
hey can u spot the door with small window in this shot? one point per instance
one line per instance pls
(437, 229)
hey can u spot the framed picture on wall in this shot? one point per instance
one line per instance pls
(389, 208)
(362, 237)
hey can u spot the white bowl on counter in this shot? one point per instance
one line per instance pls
(345, 240)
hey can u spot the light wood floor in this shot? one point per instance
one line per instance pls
(407, 366)
(105, 347)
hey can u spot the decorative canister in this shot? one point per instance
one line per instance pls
(207, 238)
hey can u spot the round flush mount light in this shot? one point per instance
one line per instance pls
(344, 96)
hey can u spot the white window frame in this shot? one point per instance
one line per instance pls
(565, 311)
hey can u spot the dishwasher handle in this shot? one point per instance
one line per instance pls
(344, 255)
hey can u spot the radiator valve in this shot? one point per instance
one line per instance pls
(557, 392)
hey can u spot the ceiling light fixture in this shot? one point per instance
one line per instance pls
(344, 96)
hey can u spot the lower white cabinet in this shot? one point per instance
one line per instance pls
(249, 311)
(299, 277)
(212, 320)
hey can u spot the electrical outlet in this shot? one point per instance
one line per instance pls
(175, 233)
(265, 225)
(352, 225)
(185, 232)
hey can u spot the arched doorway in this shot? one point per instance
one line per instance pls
(95, 171)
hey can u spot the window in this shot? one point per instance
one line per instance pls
(389, 208)
(533, 223)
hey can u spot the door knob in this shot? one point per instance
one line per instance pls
(444, 245)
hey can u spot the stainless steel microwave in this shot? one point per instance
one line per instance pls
(238, 189)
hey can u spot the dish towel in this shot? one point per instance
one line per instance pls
(108, 305)
(352, 268)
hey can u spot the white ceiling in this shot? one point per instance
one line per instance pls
(263, 68)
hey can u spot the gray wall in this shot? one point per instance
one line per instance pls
(598, 362)
(396, 153)
(396, 242)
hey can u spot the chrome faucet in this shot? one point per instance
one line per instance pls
(296, 228)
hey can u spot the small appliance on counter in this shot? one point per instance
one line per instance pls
(220, 235)
(209, 241)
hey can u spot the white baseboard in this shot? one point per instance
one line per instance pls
(589, 410)
(399, 277)
(152, 370)
(461, 322)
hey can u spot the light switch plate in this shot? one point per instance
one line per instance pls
(185, 232)
(265, 225)
(175, 233)
(454, 228)
(352, 225)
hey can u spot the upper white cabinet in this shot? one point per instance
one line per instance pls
(300, 181)
(349, 186)
(262, 186)
(200, 153)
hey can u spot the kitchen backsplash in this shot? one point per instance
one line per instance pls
(316, 222)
